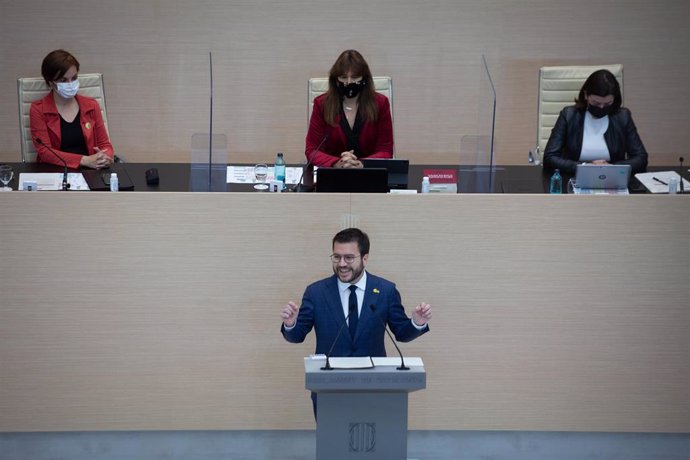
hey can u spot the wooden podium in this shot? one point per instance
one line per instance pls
(362, 413)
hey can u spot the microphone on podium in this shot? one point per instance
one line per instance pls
(328, 367)
(682, 186)
(385, 328)
(65, 184)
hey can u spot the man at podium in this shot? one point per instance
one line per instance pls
(342, 307)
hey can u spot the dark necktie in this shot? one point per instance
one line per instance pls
(352, 311)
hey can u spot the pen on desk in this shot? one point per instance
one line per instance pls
(659, 181)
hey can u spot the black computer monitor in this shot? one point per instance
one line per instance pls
(397, 170)
(352, 180)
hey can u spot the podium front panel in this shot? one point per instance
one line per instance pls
(362, 426)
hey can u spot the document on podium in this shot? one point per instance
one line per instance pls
(395, 361)
(362, 362)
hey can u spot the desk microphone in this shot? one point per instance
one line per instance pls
(300, 187)
(682, 186)
(65, 184)
(328, 367)
(210, 123)
(402, 360)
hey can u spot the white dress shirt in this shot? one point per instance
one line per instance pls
(344, 289)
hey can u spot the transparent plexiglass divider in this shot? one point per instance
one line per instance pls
(477, 163)
(209, 163)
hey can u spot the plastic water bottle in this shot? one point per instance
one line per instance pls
(673, 186)
(279, 168)
(114, 183)
(556, 183)
(425, 184)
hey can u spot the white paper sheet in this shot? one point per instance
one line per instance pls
(53, 181)
(245, 175)
(395, 361)
(600, 191)
(363, 362)
(654, 186)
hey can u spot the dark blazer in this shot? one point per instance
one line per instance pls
(565, 144)
(322, 310)
(375, 138)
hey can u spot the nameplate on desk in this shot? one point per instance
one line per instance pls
(441, 176)
(442, 180)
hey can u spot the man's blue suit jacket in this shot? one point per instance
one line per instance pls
(322, 310)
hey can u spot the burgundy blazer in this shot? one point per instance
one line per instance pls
(375, 138)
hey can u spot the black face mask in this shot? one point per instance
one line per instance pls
(599, 112)
(352, 89)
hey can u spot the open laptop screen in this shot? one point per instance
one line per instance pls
(602, 176)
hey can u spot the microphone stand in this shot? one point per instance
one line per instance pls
(300, 187)
(328, 367)
(210, 124)
(65, 183)
(385, 328)
(682, 186)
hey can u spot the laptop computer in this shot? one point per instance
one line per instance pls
(397, 170)
(611, 177)
(352, 180)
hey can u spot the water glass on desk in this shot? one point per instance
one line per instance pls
(571, 186)
(260, 173)
(6, 175)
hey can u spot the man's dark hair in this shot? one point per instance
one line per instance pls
(353, 235)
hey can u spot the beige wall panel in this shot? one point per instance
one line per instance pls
(548, 312)
(154, 56)
(156, 311)
(141, 311)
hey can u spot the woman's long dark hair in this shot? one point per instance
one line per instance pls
(600, 83)
(353, 62)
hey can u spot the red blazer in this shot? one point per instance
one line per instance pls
(375, 138)
(45, 124)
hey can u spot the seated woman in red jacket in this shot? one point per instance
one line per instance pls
(70, 124)
(350, 121)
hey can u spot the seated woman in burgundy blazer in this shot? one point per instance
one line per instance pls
(350, 121)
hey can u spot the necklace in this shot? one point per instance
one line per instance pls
(350, 108)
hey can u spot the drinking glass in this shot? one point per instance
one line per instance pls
(6, 175)
(260, 173)
(571, 185)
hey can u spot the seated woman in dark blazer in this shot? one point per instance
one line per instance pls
(71, 124)
(350, 121)
(595, 130)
